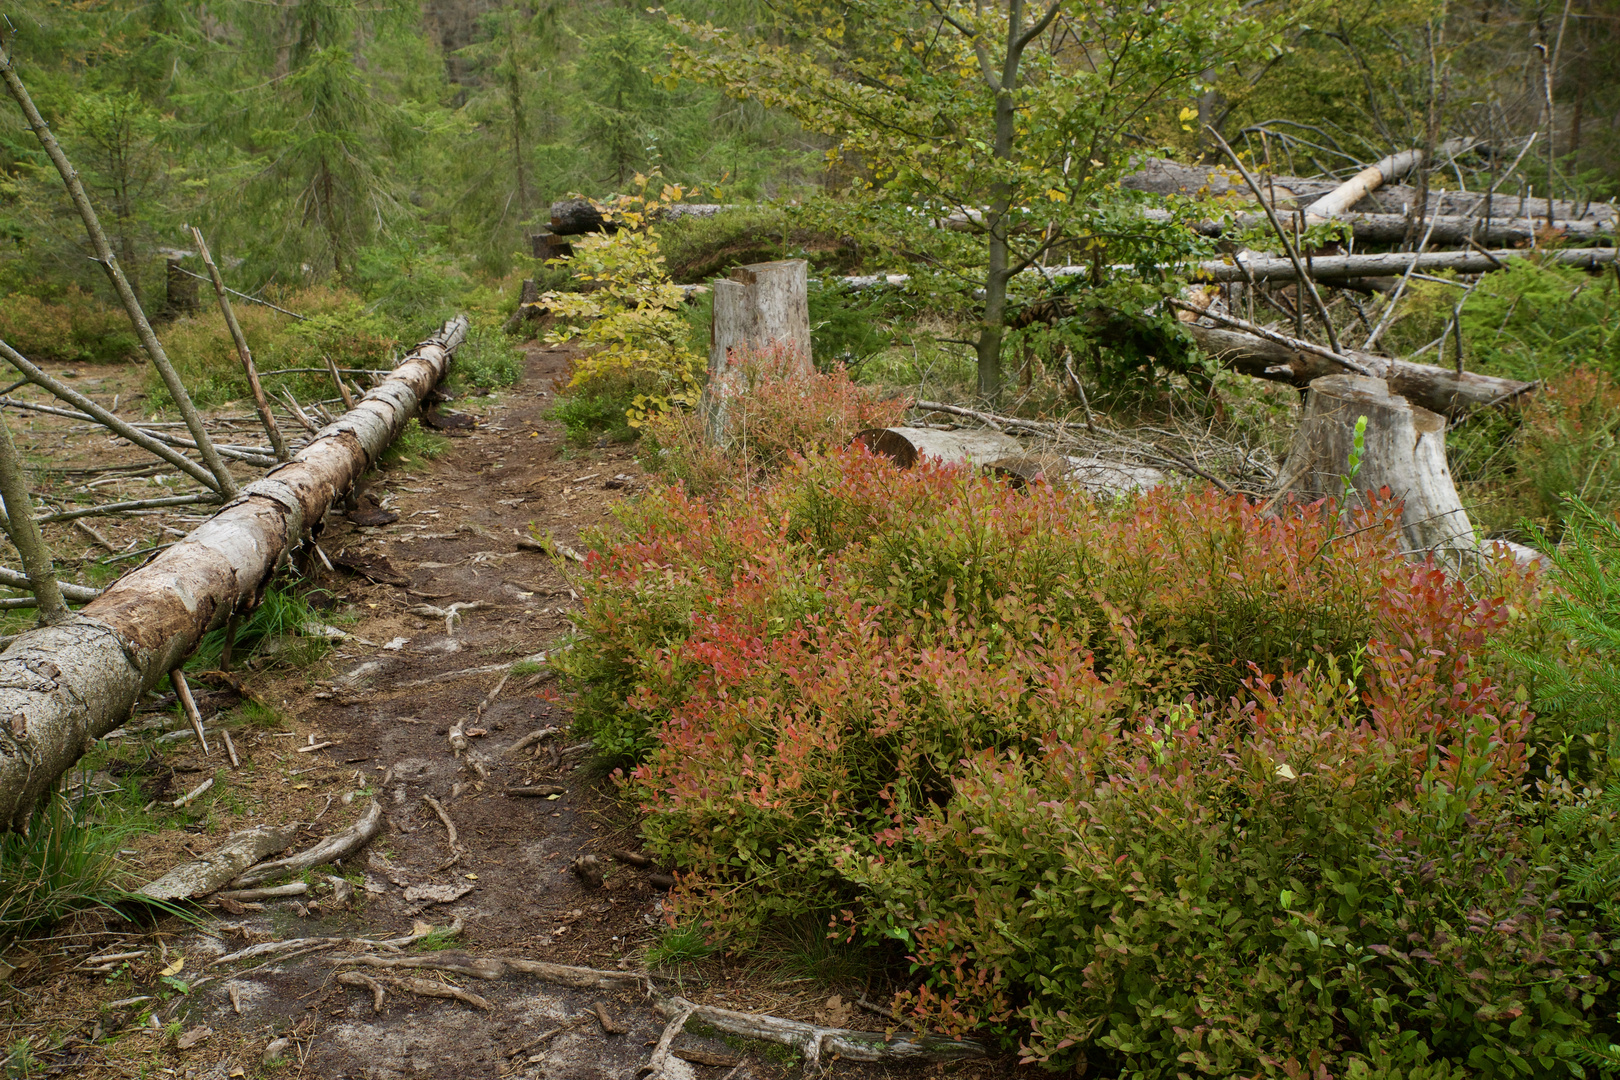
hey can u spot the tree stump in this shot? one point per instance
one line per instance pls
(905, 446)
(576, 217)
(1404, 451)
(549, 245)
(763, 307)
(181, 296)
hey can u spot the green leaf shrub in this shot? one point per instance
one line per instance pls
(1165, 787)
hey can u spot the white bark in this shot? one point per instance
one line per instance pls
(1405, 451)
(63, 686)
(905, 445)
(212, 871)
(761, 307)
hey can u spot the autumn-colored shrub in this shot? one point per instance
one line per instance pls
(72, 326)
(776, 410)
(1171, 787)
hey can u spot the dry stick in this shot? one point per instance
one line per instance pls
(122, 507)
(343, 391)
(182, 690)
(355, 978)
(298, 412)
(230, 748)
(266, 417)
(450, 827)
(78, 594)
(119, 427)
(26, 535)
(1271, 335)
(115, 273)
(1293, 256)
(96, 538)
(245, 296)
(252, 455)
(1388, 314)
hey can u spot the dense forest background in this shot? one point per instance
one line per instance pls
(403, 150)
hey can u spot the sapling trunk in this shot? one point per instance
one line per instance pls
(109, 262)
(266, 417)
(25, 534)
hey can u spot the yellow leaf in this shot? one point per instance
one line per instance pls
(174, 968)
(1056, 196)
(470, 877)
(1285, 772)
(553, 798)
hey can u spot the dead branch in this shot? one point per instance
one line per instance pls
(533, 738)
(204, 875)
(660, 1055)
(107, 509)
(355, 978)
(93, 534)
(610, 1025)
(420, 931)
(266, 417)
(427, 988)
(538, 791)
(812, 1041)
(292, 888)
(77, 593)
(25, 533)
(183, 691)
(456, 851)
(495, 967)
(109, 262)
(123, 430)
(336, 846)
(467, 673)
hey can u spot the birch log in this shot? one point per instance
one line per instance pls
(905, 446)
(61, 687)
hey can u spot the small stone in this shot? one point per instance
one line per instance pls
(276, 1048)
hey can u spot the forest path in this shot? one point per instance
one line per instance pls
(371, 719)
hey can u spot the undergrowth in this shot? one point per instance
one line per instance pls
(1164, 787)
(61, 865)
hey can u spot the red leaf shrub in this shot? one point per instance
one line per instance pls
(776, 411)
(1172, 783)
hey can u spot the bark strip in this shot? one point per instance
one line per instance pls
(61, 687)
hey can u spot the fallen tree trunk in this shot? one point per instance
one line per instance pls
(1386, 264)
(1437, 389)
(61, 687)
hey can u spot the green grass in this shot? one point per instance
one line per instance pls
(416, 444)
(281, 615)
(681, 944)
(63, 864)
(527, 667)
(441, 938)
(487, 360)
(589, 416)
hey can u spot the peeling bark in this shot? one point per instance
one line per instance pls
(61, 687)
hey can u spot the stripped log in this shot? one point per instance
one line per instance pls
(62, 687)
(1437, 389)
(1387, 264)
(905, 446)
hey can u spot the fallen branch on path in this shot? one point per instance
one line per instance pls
(468, 673)
(456, 850)
(265, 948)
(337, 846)
(812, 1040)
(204, 875)
(495, 967)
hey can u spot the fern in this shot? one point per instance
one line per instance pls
(1579, 688)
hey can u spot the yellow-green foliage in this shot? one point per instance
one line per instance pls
(628, 313)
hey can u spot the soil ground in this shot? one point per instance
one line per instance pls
(379, 707)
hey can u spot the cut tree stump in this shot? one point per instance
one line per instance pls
(575, 217)
(1405, 451)
(763, 307)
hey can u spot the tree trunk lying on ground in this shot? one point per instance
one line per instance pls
(1387, 264)
(1404, 450)
(1437, 389)
(62, 687)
